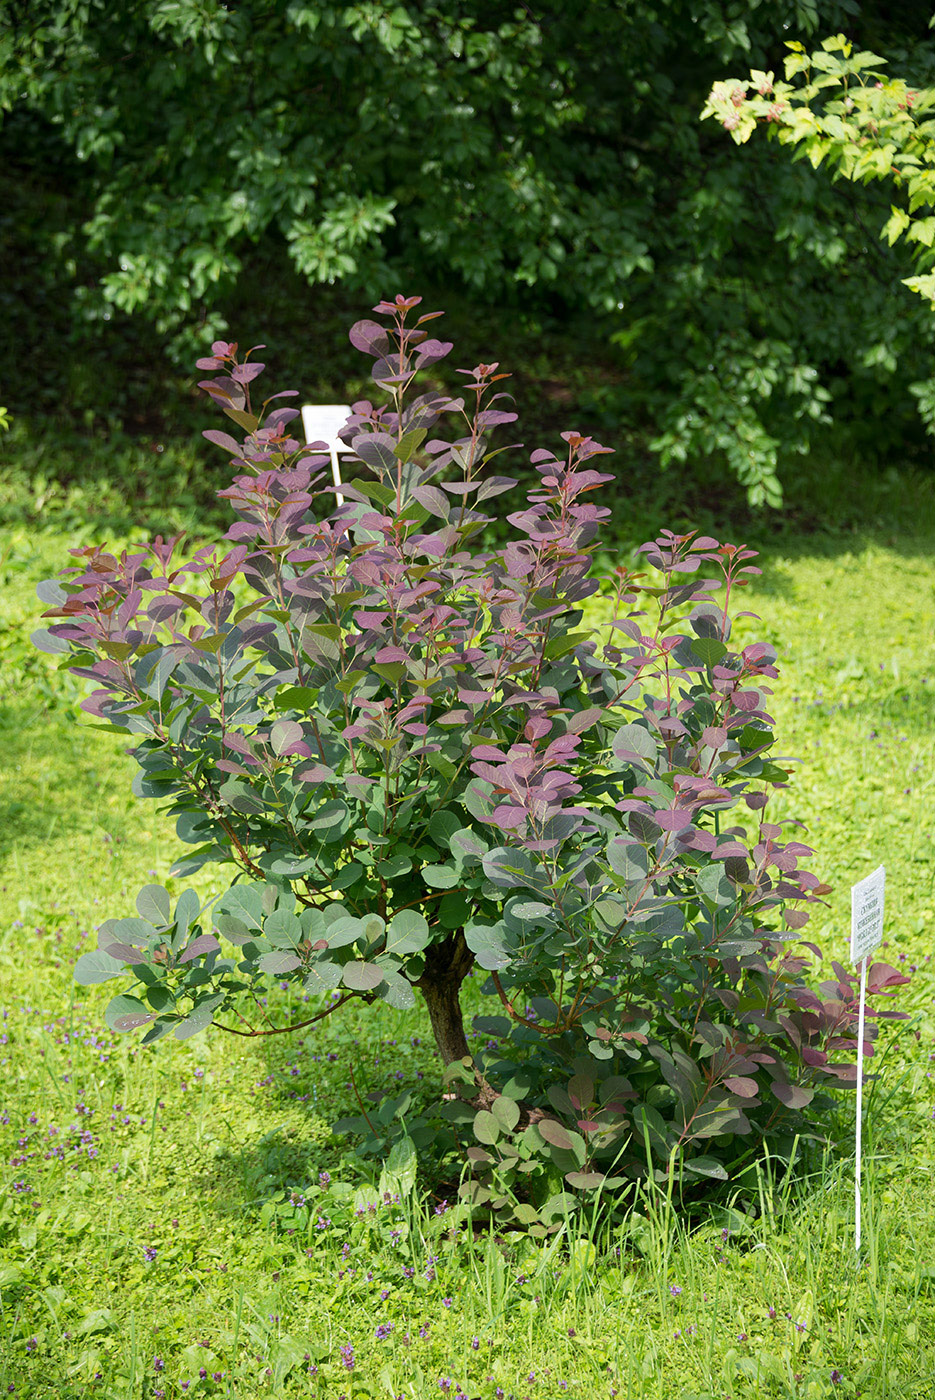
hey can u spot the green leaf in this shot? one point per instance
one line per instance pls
(347, 876)
(392, 671)
(506, 1111)
(454, 909)
(200, 1018)
(443, 825)
(628, 859)
(396, 991)
(409, 444)
(155, 905)
(400, 1168)
(585, 1181)
(530, 911)
(709, 650)
(234, 930)
(187, 909)
(486, 1127)
(477, 798)
(708, 1167)
(278, 964)
(562, 645)
(344, 931)
(467, 846)
(162, 1027)
(330, 819)
(285, 733)
(635, 746)
(248, 421)
(284, 929)
(100, 1320)
(714, 886)
(361, 976)
(488, 944)
(97, 966)
(377, 491)
(323, 976)
(394, 866)
(126, 1013)
(374, 927)
(407, 932)
(295, 697)
(440, 877)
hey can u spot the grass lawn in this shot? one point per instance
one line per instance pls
(181, 1221)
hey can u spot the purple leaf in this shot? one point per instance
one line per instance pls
(223, 440)
(554, 1134)
(204, 943)
(882, 975)
(740, 1084)
(370, 337)
(792, 1095)
(126, 953)
(243, 374)
(284, 736)
(133, 1020)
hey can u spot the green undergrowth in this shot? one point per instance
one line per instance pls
(181, 1221)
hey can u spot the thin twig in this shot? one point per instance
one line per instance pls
(297, 1026)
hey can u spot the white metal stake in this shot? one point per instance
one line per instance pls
(867, 906)
(860, 1101)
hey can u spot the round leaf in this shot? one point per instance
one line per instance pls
(408, 932)
(154, 904)
(96, 966)
(486, 1127)
(200, 1018)
(396, 991)
(278, 964)
(440, 877)
(284, 734)
(555, 1134)
(585, 1181)
(634, 745)
(126, 1013)
(506, 1112)
(362, 976)
(323, 976)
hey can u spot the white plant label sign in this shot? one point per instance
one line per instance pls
(867, 902)
(867, 898)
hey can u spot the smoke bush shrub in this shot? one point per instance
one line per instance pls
(415, 759)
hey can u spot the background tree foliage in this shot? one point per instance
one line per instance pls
(545, 159)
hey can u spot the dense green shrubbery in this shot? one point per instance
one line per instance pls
(841, 109)
(545, 163)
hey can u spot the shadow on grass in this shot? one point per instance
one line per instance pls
(50, 767)
(341, 1068)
